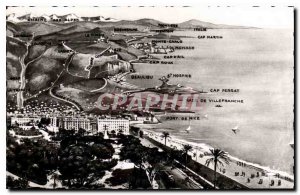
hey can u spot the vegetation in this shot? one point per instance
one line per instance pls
(186, 149)
(32, 160)
(139, 154)
(217, 157)
(30, 132)
(20, 183)
(89, 169)
(119, 177)
(90, 156)
(55, 177)
(165, 135)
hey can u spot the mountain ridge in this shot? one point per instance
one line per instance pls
(192, 23)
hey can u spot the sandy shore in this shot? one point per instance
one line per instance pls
(243, 172)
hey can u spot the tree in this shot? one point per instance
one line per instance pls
(45, 121)
(140, 155)
(141, 134)
(165, 135)
(217, 157)
(81, 131)
(31, 160)
(54, 176)
(20, 183)
(88, 168)
(102, 151)
(186, 149)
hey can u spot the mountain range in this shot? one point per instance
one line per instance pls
(56, 18)
(68, 18)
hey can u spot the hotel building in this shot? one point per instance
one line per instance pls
(23, 121)
(113, 124)
(75, 123)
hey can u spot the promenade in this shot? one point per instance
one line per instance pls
(247, 175)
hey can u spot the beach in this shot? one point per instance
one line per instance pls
(245, 173)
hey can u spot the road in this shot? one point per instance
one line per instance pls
(182, 181)
(52, 95)
(179, 176)
(20, 94)
(68, 61)
(99, 89)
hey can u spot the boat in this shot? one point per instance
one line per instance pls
(189, 127)
(235, 129)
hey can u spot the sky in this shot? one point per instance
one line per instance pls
(263, 17)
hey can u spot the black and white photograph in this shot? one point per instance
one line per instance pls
(150, 98)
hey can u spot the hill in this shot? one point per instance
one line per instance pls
(200, 24)
(12, 28)
(149, 22)
(72, 29)
(40, 28)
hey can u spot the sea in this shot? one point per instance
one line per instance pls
(258, 62)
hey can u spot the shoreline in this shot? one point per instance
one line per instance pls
(236, 159)
(204, 147)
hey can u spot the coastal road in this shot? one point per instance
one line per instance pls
(181, 180)
(233, 168)
(179, 176)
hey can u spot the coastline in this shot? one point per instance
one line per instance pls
(203, 148)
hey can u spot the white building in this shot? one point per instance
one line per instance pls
(23, 121)
(70, 18)
(75, 123)
(113, 124)
(54, 124)
(144, 118)
(54, 121)
(55, 18)
(34, 18)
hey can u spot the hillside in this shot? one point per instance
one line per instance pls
(13, 27)
(59, 29)
(200, 24)
(63, 51)
(42, 73)
(40, 28)
(72, 29)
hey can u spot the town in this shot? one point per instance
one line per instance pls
(75, 120)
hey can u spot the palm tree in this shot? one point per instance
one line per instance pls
(217, 157)
(186, 149)
(165, 135)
